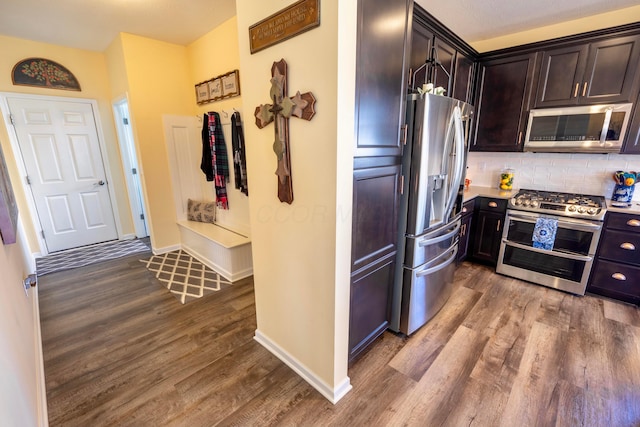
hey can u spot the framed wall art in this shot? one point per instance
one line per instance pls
(230, 84)
(202, 93)
(43, 73)
(215, 89)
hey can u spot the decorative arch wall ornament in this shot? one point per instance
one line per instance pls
(45, 73)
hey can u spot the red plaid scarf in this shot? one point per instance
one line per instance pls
(219, 160)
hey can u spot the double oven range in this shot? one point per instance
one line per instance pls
(577, 221)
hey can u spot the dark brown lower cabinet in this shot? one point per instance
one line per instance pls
(488, 223)
(371, 293)
(374, 245)
(465, 229)
(616, 272)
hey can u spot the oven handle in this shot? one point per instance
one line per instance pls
(439, 267)
(426, 242)
(576, 224)
(547, 252)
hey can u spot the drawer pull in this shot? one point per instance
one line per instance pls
(619, 276)
(464, 210)
(633, 223)
(628, 246)
(493, 205)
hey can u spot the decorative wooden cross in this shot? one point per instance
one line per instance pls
(283, 107)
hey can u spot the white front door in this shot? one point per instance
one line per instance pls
(61, 152)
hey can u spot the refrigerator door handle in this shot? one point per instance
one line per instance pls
(459, 160)
(427, 242)
(438, 267)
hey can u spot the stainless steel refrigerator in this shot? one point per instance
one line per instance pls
(434, 165)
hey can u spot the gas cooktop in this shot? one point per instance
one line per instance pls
(563, 204)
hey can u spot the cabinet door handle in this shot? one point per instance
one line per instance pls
(493, 205)
(519, 137)
(463, 230)
(633, 223)
(498, 227)
(628, 246)
(584, 89)
(575, 92)
(619, 276)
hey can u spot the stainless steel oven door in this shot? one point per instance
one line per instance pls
(566, 267)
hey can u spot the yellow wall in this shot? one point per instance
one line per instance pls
(158, 83)
(596, 22)
(91, 71)
(299, 284)
(21, 392)
(214, 54)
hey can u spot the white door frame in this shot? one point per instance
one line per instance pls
(17, 153)
(129, 155)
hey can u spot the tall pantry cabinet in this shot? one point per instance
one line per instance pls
(380, 86)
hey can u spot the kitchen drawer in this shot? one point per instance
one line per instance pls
(621, 221)
(467, 207)
(615, 280)
(620, 246)
(489, 204)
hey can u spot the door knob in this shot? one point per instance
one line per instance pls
(99, 183)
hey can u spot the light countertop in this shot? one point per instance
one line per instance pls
(474, 191)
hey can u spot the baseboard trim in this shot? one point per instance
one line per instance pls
(331, 394)
(166, 249)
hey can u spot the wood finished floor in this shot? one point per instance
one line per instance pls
(120, 350)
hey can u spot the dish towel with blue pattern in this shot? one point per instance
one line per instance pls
(544, 233)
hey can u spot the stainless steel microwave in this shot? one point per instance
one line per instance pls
(584, 129)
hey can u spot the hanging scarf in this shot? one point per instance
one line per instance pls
(239, 155)
(206, 165)
(219, 160)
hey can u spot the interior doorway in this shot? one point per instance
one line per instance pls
(130, 166)
(65, 171)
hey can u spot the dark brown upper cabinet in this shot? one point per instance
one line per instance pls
(444, 56)
(421, 50)
(440, 57)
(463, 78)
(502, 103)
(632, 142)
(598, 72)
(380, 77)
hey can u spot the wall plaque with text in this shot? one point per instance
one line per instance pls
(289, 22)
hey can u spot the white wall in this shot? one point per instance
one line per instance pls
(579, 173)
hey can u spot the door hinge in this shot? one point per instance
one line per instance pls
(125, 121)
(42, 233)
(134, 171)
(28, 180)
(141, 216)
(11, 119)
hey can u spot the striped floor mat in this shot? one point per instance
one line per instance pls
(88, 255)
(185, 277)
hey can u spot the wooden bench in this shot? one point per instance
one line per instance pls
(222, 250)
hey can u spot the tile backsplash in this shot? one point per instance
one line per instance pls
(576, 173)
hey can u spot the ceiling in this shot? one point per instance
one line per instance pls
(93, 24)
